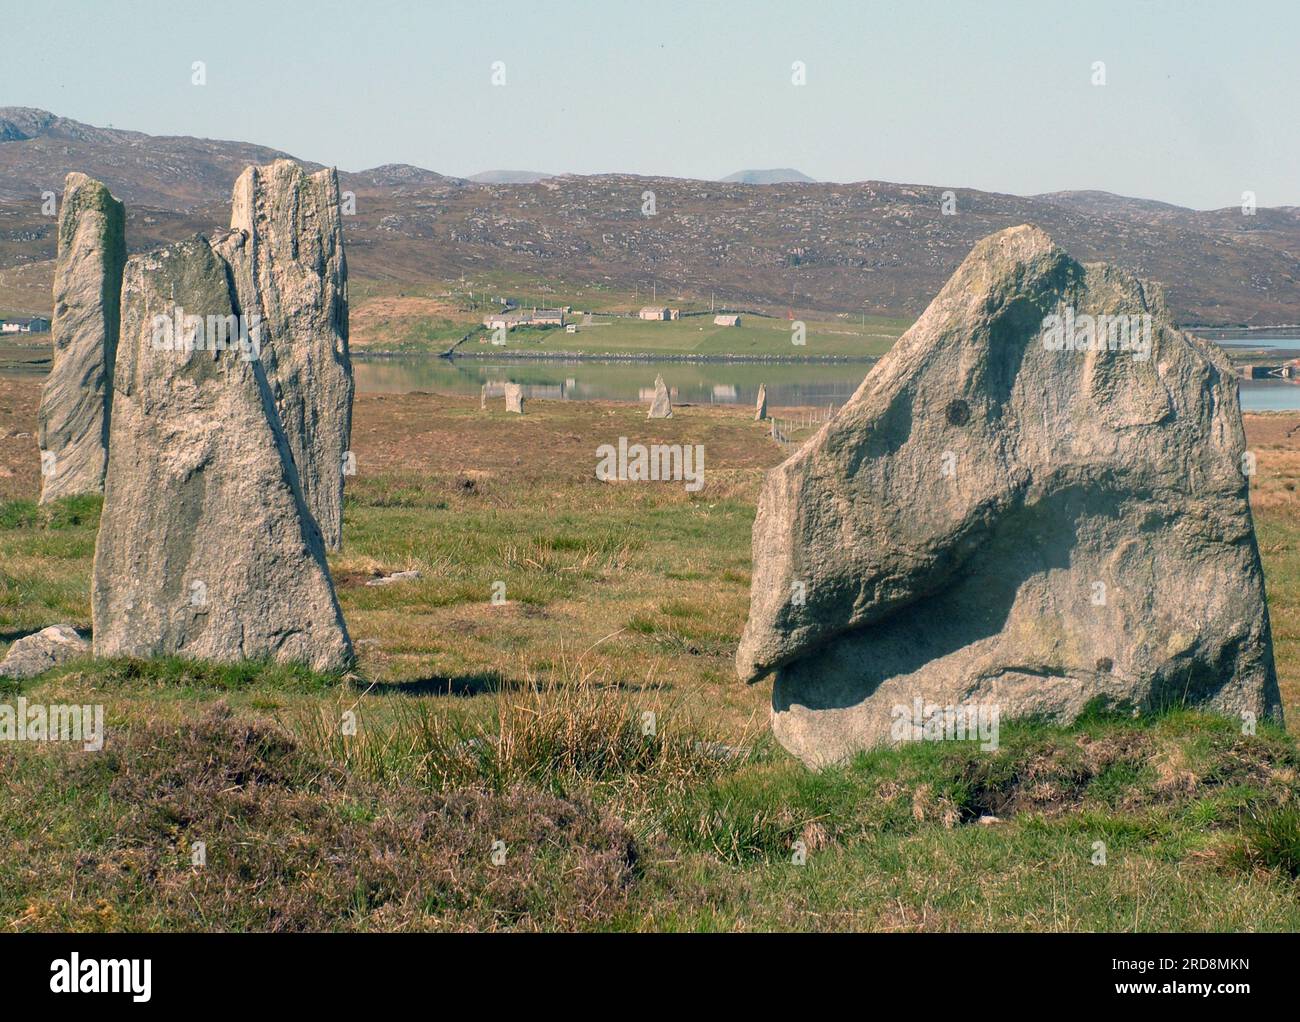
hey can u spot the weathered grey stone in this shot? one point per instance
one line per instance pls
(989, 521)
(760, 411)
(482, 398)
(206, 546)
(286, 251)
(661, 406)
(73, 421)
(36, 653)
(514, 398)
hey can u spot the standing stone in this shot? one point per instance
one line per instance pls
(760, 412)
(73, 421)
(482, 398)
(661, 407)
(206, 546)
(286, 252)
(992, 520)
(514, 397)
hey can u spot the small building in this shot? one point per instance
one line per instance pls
(674, 313)
(510, 320)
(653, 312)
(24, 325)
(571, 328)
(727, 319)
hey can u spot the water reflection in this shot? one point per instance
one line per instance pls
(788, 384)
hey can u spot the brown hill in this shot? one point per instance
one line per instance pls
(869, 246)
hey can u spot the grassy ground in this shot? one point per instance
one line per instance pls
(382, 321)
(593, 724)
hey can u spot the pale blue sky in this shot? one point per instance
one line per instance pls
(1200, 102)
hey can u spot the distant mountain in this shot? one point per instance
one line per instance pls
(509, 177)
(778, 176)
(396, 175)
(38, 149)
(869, 246)
(1106, 202)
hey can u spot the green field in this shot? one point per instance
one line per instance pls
(698, 335)
(526, 723)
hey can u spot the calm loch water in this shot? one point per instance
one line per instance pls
(789, 384)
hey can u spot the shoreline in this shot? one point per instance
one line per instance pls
(591, 356)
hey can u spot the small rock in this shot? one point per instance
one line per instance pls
(397, 576)
(36, 653)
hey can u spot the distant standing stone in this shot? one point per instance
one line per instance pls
(73, 421)
(514, 398)
(760, 413)
(36, 653)
(482, 398)
(661, 407)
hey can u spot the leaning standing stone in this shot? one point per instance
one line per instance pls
(760, 412)
(73, 421)
(1002, 521)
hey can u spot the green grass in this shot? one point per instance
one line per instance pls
(757, 336)
(594, 725)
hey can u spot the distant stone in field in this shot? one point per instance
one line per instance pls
(397, 576)
(37, 653)
(286, 254)
(661, 406)
(995, 522)
(482, 398)
(206, 546)
(514, 397)
(74, 413)
(760, 412)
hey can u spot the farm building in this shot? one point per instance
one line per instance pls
(653, 312)
(674, 313)
(538, 317)
(727, 319)
(24, 325)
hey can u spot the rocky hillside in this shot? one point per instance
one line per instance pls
(870, 246)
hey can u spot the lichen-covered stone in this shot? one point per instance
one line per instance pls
(73, 421)
(286, 251)
(206, 547)
(991, 521)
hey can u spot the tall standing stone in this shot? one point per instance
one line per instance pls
(514, 398)
(661, 405)
(286, 252)
(75, 411)
(760, 410)
(206, 547)
(1036, 500)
